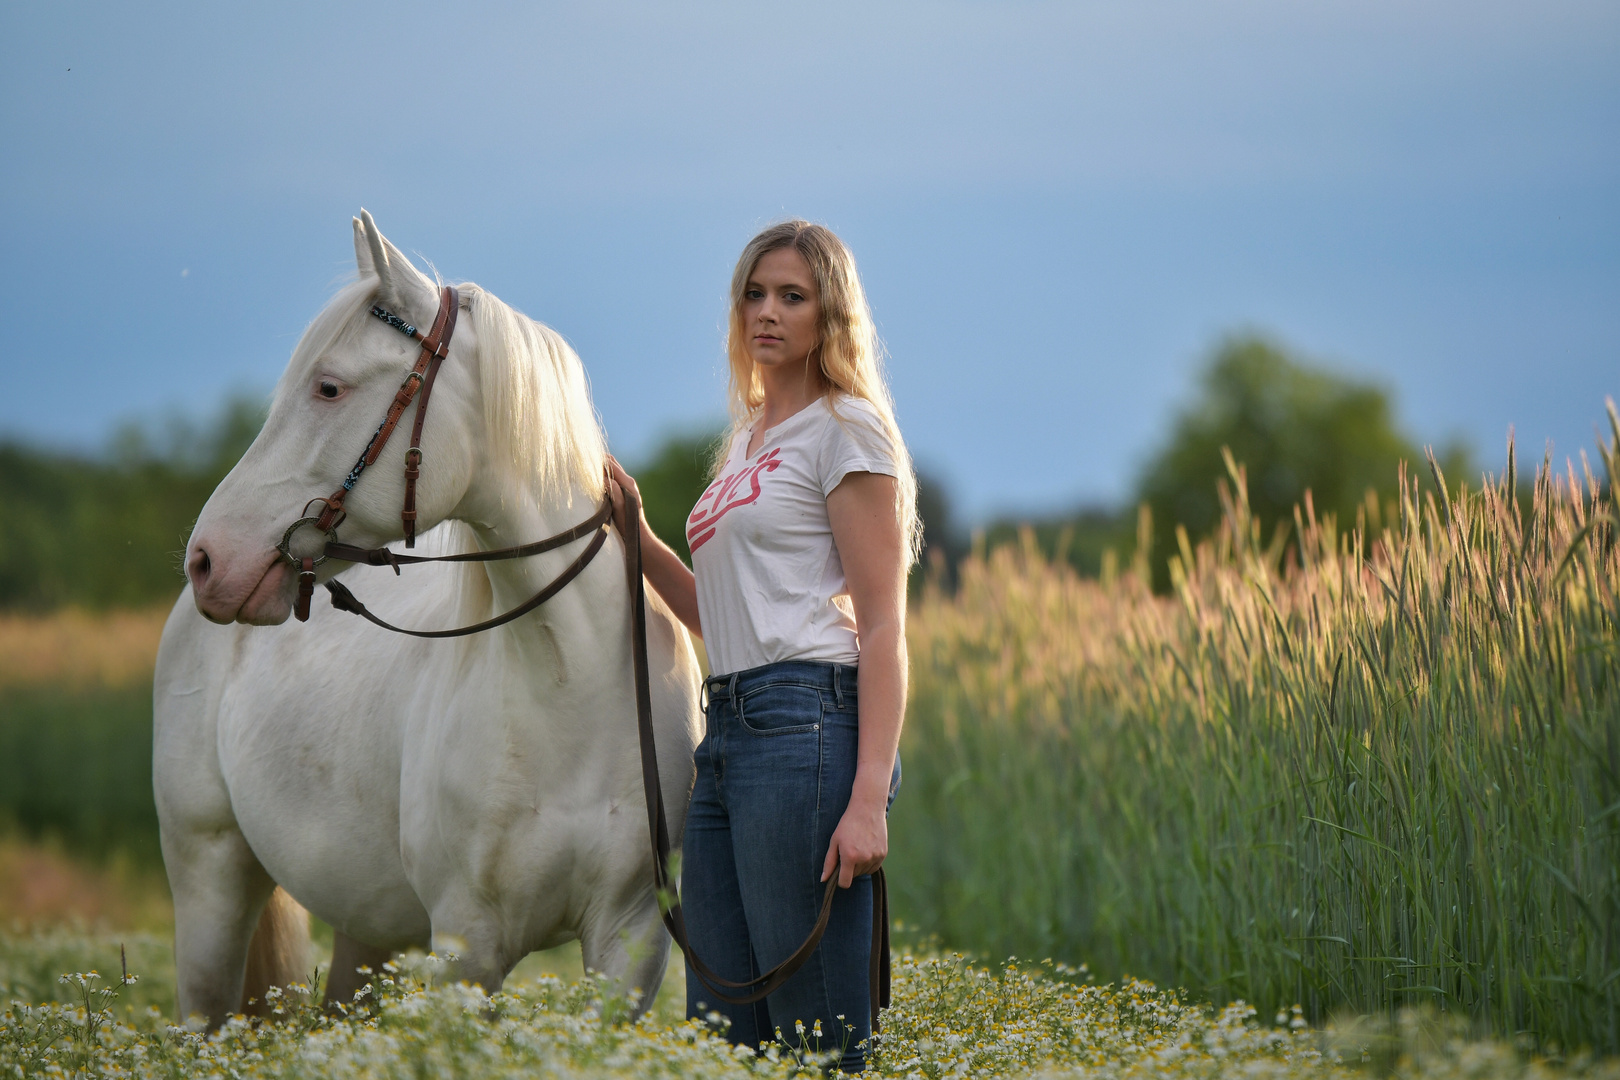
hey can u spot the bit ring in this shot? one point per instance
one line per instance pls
(285, 547)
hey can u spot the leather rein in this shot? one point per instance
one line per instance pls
(669, 902)
(418, 386)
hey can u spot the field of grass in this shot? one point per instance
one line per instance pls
(1375, 769)
(950, 1018)
(1378, 769)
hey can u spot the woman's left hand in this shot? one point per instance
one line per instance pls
(860, 842)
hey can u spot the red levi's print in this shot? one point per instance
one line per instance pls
(724, 496)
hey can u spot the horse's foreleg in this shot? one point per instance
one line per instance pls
(630, 947)
(219, 890)
(471, 932)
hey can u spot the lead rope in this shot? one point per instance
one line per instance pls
(658, 826)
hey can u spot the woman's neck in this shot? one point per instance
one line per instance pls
(787, 393)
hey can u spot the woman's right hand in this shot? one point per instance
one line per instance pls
(664, 570)
(619, 482)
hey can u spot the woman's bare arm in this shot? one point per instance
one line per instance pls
(663, 568)
(866, 528)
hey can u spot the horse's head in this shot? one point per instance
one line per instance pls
(337, 387)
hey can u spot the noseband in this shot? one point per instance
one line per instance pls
(418, 385)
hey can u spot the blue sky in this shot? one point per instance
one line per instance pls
(1058, 208)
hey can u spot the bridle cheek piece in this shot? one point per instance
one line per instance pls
(435, 347)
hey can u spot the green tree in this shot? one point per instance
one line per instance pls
(108, 531)
(1082, 537)
(1295, 426)
(672, 479)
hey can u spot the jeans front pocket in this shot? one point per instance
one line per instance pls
(780, 709)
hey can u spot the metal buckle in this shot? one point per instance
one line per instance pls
(285, 547)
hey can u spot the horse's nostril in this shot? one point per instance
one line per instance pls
(199, 567)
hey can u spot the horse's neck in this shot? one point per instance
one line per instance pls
(518, 516)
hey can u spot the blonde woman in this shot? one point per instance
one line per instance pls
(800, 549)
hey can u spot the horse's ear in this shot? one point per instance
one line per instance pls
(401, 283)
(375, 258)
(362, 251)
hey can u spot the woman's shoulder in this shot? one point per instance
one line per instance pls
(844, 409)
(854, 432)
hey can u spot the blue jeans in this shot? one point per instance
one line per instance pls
(774, 775)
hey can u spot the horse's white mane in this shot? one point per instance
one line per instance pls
(537, 404)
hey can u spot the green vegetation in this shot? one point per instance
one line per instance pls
(1379, 778)
(32, 964)
(671, 481)
(108, 531)
(1088, 540)
(1369, 765)
(76, 765)
(949, 1018)
(101, 532)
(1385, 776)
(1304, 432)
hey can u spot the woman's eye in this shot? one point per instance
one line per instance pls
(795, 297)
(754, 294)
(329, 389)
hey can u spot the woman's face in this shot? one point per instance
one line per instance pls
(781, 310)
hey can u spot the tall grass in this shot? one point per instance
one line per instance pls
(1378, 768)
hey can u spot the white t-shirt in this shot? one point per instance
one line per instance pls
(770, 585)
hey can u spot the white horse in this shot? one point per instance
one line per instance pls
(480, 794)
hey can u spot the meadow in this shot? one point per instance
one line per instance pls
(1354, 791)
(950, 1018)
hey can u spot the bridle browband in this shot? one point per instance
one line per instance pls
(418, 384)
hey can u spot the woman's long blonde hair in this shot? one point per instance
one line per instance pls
(847, 349)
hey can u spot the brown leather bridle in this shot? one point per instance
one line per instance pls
(418, 384)
(435, 347)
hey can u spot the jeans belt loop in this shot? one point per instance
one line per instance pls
(838, 685)
(731, 691)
